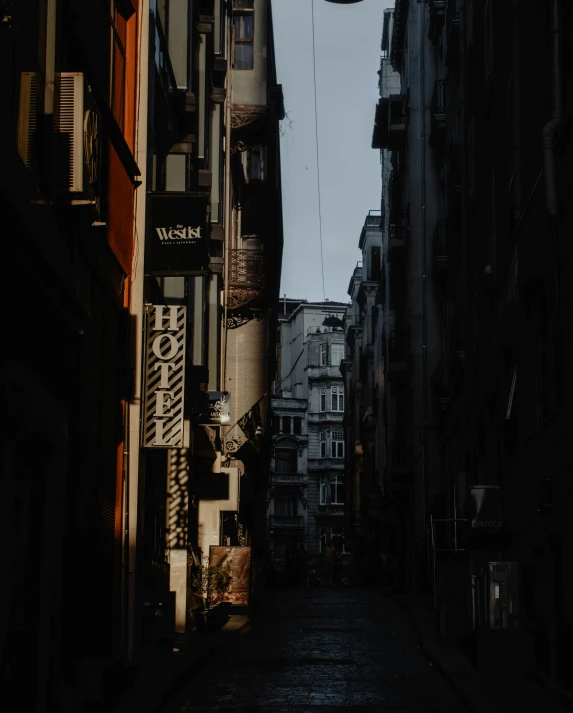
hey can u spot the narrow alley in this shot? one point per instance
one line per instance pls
(322, 650)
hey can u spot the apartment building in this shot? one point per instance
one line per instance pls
(140, 185)
(305, 506)
(68, 182)
(474, 339)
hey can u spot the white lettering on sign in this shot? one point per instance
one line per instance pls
(164, 377)
(179, 232)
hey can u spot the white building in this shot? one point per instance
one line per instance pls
(306, 498)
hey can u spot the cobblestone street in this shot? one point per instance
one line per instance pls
(322, 650)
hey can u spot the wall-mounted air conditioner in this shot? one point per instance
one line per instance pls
(76, 123)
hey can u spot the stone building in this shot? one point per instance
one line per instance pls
(475, 391)
(306, 498)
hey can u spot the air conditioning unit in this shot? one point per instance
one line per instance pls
(77, 128)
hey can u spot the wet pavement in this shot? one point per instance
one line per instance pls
(313, 651)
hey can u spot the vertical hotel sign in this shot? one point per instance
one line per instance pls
(162, 421)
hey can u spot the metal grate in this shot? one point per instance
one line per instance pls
(247, 269)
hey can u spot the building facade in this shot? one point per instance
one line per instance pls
(140, 182)
(68, 183)
(476, 312)
(307, 495)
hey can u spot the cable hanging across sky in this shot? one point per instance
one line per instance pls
(317, 153)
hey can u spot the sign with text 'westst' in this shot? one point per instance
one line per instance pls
(162, 420)
(177, 241)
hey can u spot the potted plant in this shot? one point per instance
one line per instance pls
(210, 584)
(221, 579)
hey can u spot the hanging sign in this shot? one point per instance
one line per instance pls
(162, 420)
(177, 241)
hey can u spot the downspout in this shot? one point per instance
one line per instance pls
(133, 415)
(423, 244)
(516, 116)
(227, 218)
(551, 127)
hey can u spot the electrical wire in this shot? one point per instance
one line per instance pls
(317, 159)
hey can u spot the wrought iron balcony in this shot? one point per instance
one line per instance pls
(453, 33)
(438, 113)
(441, 250)
(437, 17)
(247, 269)
(293, 522)
(397, 122)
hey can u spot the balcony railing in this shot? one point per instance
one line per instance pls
(453, 32)
(437, 16)
(372, 219)
(438, 113)
(247, 269)
(441, 246)
(287, 521)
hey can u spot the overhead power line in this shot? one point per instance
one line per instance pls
(317, 156)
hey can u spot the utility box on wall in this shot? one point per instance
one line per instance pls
(495, 597)
(503, 605)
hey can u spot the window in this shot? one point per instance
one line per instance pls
(323, 398)
(337, 445)
(297, 425)
(286, 460)
(335, 535)
(256, 163)
(375, 264)
(323, 444)
(337, 393)
(286, 504)
(286, 424)
(337, 490)
(323, 355)
(243, 31)
(337, 354)
(332, 490)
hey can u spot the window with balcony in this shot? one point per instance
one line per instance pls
(323, 355)
(243, 40)
(337, 398)
(337, 354)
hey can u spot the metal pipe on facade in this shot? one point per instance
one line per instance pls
(136, 313)
(422, 18)
(227, 216)
(551, 127)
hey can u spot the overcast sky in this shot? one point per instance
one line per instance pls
(347, 60)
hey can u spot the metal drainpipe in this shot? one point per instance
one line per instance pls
(227, 242)
(516, 115)
(423, 243)
(551, 127)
